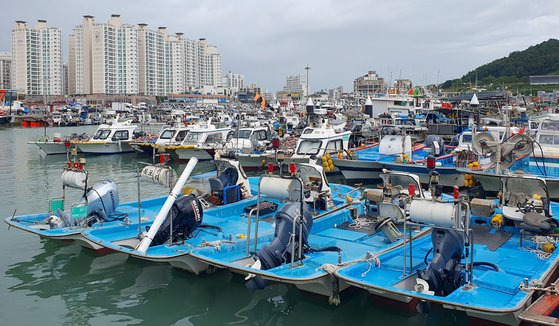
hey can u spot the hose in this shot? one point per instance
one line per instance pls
(485, 263)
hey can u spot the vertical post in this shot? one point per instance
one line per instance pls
(411, 251)
(139, 200)
(171, 218)
(257, 220)
(307, 68)
(405, 242)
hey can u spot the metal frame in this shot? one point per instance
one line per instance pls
(465, 227)
(64, 190)
(297, 219)
(138, 176)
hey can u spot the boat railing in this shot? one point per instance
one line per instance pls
(461, 224)
(297, 220)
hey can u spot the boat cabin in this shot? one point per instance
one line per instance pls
(206, 137)
(319, 141)
(114, 133)
(172, 136)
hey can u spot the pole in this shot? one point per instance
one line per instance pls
(162, 215)
(307, 68)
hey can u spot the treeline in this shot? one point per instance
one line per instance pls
(541, 59)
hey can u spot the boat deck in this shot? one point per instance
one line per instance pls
(492, 291)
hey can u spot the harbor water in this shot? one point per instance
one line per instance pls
(54, 283)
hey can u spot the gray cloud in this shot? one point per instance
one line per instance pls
(340, 40)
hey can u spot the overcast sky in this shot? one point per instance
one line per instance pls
(340, 40)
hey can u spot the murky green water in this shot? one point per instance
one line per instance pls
(52, 283)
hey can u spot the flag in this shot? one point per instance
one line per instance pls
(257, 97)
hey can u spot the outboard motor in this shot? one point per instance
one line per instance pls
(102, 200)
(279, 251)
(186, 214)
(435, 144)
(444, 273)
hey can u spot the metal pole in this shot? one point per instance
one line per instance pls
(300, 256)
(405, 238)
(139, 200)
(171, 218)
(257, 219)
(411, 252)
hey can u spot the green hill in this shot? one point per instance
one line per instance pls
(540, 59)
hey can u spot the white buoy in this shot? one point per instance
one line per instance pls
(162, 215)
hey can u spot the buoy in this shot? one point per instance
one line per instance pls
(548, 247)
(497, 221)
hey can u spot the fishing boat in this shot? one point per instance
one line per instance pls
(356, 226)
(65, 221)
(167, 136)
(220, 217)
(484, 257)
(513, 155)
(247, 140)
(395, 152)
(58, 144)
(200, 143)
(112, 138)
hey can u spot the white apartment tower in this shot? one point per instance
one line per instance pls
(36, 67)
(209, 63)
(103, 58)
(192, 66)
(151, 57)
(5, 70)
(120, 59)
(175, 64)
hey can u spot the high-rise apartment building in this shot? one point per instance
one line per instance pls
(192, 67)
(175, 64)
(120, 59)
(151, 56)
(5, 70)
(103, 58)
(209, 63)
(36, 67)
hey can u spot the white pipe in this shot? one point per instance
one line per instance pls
(162, 215)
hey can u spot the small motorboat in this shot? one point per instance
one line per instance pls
(485, 257)
(112, 138)
(98, 205)
(305, 250)
(59, 144)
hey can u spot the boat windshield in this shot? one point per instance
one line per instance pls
(550, 126)
(192, 137)
(548, 139)
(167, 134)
(527, 186)
(243, 134)
(309, 147)
(102, 134)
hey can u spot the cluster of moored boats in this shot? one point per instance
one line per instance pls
(469, 225)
